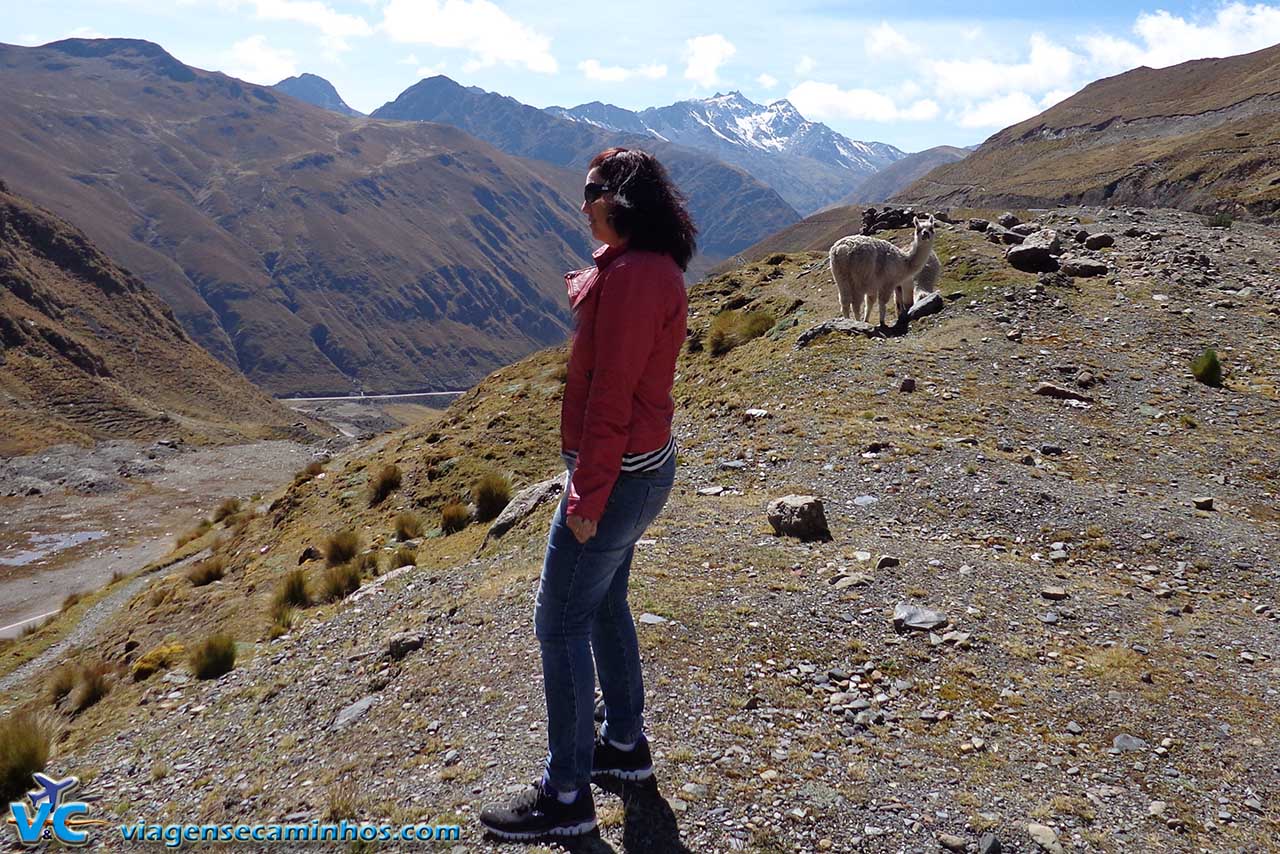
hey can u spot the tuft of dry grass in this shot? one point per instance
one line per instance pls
(71, 600)
(367, 564)
(733, 328)
(384, 483)
(408, 526)
(291, 592)
(339, 581)
(194, 533)
(214, 657)
(404, 556)
(344, 798)
(26, 739)
(309, 472)
(454, 516)
(207, 571)
(341, 547)
(491, 494)
(60, 682)
(226, 509)
(92, 683)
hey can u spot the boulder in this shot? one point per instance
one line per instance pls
(799, 516)
(926, 305)
(1025, 229)
(906, 616)
(1007, 220)
(525, 502)
(844, 325)
(1099, 241)
(976, 224)
(1081, 267)
(1037, 253)
(404, 643)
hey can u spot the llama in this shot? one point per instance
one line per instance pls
(869, 270)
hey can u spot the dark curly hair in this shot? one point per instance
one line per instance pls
(648, 210)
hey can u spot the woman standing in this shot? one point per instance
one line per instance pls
(615, 438)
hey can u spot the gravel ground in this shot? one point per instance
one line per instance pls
(1102, 671)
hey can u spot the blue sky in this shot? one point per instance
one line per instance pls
(930, 74)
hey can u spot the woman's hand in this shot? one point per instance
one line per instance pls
(583, 529)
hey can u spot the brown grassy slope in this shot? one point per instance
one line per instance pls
(313, 251)
(971, 522)
(1203, 135)
(900, 174)
(89, 353)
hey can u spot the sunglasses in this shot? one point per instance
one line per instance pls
(593, 191)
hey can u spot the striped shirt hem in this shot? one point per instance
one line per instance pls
(646, 461)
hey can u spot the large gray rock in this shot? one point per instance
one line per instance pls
(1037, 253)
(1099, 241)
(1081, 267)
(1007, 220)
(978, 224)
(843, 325)
(525, 502)
(354, 712)
(926, 305)
(799, 516)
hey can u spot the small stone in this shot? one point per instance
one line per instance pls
(1051, 450)
(1128, 743)
(907, 616)
(711, 490)
(451, 757)
(652, 619)
(404, 643)
(1044, 836)
(769, 775)
(1049, 618)
(1048, 389)
(1203, 502)
(1054, 594)
(799, 516)
(696, 791)
(865, 500)
(888, 561)
(907, 385)
(1075, 728)
(952, 843)
(989, 844)
(1156, 808)
(354, 711)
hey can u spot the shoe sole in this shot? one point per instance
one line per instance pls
(629, 776)
(564, 830)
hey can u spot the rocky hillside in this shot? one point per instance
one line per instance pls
(808, 163)
(314, 252)
(731, 207)
(88, 353)
(315, 90)
(1202, 136)
(1092, 576)
(897, 176)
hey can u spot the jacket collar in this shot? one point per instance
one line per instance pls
(606, 254)
(579, 282)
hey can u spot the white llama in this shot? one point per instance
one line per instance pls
(869, 270)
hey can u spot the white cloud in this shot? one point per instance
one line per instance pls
(1048, 66)
(254, 60)
(827, 101)
(767, 81)
(429, 71)
(85, 33)
(1164, 39)
(884, 42)
(336, 26)
(593, 70)
(705, 55)
(490, 34)
(805, 65)
(1000, 112)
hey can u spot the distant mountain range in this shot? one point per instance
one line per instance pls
(731, 207)
(87, 352)
(897, 176)
(314, 252)
(1203, 135)
(808, 163)
(315, 90)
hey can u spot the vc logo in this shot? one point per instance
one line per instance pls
(50, 815)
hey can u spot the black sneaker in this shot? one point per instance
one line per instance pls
(537, 812)
(631, 765)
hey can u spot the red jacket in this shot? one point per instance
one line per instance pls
(630, 313)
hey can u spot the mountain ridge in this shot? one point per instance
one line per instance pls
(317, 91)
(316, 253)
(1203, 135)
(808, 163)
(731, 208)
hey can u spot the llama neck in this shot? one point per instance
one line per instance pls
(918, 254)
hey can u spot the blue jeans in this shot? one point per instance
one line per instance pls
(582, 609)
